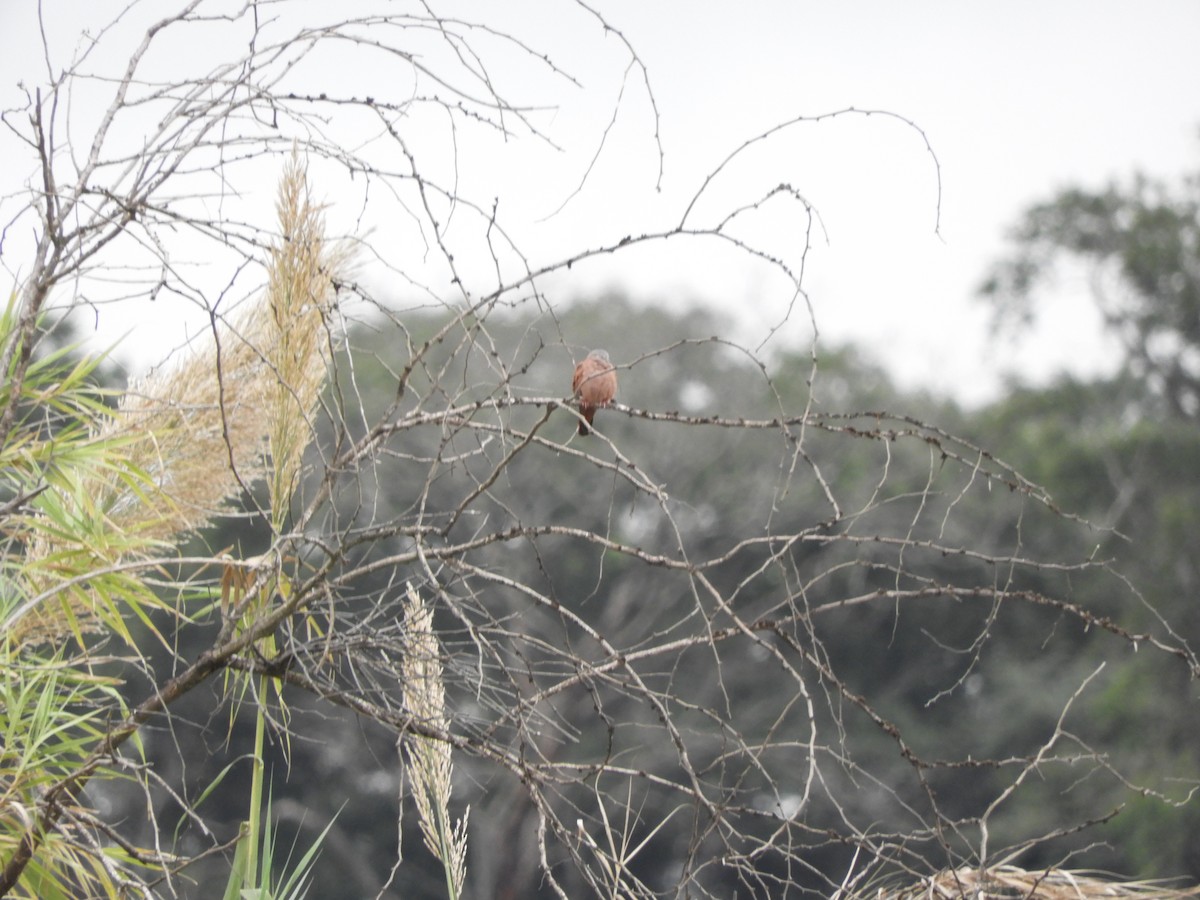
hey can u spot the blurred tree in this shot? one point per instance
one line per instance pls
(1141, 244)
(966, 682)
(1124, 452)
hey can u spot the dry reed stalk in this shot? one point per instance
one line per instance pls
(428, 762)
(1012, 883)
(191, 436)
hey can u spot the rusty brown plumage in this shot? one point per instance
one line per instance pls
(594, 385)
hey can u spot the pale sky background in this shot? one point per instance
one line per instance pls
(1017, 99)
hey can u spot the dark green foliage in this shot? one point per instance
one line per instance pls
(931, 608)
(1125, 453)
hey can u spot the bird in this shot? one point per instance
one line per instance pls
(594, 385)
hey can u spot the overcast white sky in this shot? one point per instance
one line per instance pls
(1016, 99)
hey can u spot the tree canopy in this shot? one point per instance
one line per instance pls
(1140, 244)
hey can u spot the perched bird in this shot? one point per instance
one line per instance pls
(594, 385)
